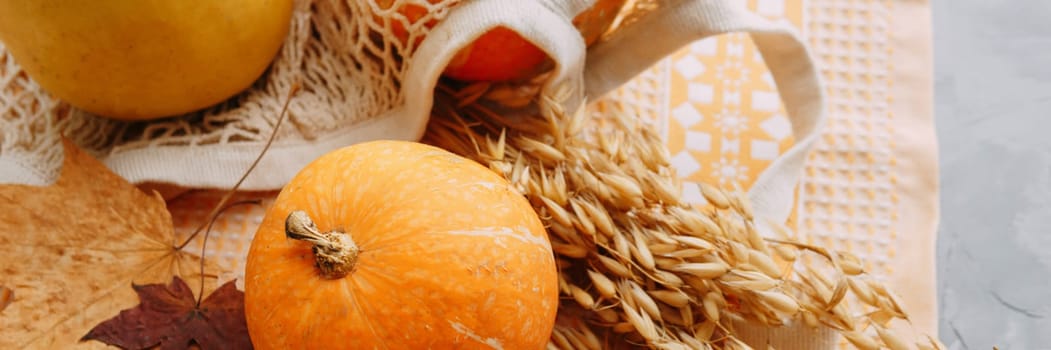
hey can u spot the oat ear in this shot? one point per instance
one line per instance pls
(638, 264)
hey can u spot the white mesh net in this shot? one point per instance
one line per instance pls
(350, 58)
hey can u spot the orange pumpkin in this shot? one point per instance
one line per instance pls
(498, 55)
(502, 55)
(400, 245)
(412, 13)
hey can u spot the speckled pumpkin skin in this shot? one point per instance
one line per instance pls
(451, 257)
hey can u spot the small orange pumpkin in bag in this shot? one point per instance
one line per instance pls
(400, 245)
(501, 54)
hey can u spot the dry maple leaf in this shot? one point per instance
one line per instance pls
(169, 316)
(6, 297)
(70, 250)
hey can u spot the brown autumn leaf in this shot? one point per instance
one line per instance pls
(169, 316)
(69, 251)
(6, 297)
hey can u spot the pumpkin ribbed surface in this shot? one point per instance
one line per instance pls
(450, 256)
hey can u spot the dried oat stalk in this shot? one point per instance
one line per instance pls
(638, 266)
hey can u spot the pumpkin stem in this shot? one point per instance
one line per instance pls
(334, 251)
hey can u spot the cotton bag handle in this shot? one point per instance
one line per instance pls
(542, 22)
(677, 23)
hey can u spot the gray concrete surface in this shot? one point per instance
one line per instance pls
(993, 115)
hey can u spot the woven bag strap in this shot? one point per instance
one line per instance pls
(676, 24)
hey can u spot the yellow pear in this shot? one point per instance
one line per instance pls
(144, 59)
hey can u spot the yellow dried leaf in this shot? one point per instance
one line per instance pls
(6, 296)
(71, 251)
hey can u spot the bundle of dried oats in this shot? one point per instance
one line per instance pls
(641, 268)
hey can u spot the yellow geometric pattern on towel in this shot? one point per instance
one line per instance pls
(725, 120)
